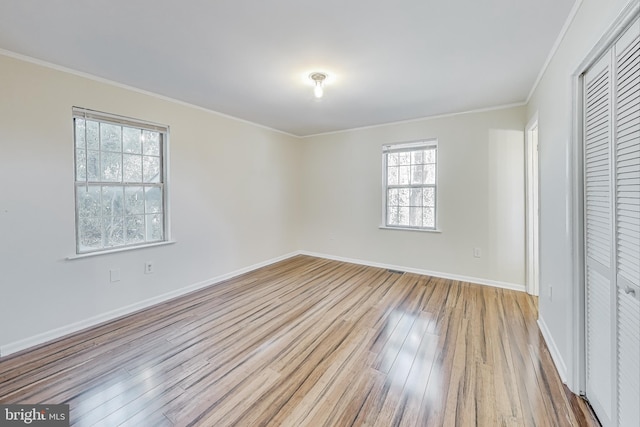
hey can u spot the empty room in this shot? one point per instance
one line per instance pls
(302, 213)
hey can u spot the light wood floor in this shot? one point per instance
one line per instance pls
(308, 342)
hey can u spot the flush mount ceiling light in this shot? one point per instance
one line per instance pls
(318, 82)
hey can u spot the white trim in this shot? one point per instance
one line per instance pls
(63, 331)
(424, 230)
(533, 121)
(558, 361)
(409, 145)
(418, 119)
(101, 116)
(572, 14)
(476, 280)
(82, 74)
(123, 249)
(532, 203)
(577, 383)
(622, 21)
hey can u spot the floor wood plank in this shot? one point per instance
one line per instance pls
(308, 342)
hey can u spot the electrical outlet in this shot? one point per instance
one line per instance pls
(477, 252)
(114, 275)
(148, 267)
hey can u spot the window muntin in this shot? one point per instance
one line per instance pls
(410, 172)
(120, 182)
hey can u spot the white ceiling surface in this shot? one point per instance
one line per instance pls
(390, 60)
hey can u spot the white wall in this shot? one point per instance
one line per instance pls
(233, 190)
(480, 197)
(552, 100)
(241, 195)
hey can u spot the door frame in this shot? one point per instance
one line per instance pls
(532, 217)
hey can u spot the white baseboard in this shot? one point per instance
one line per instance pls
(57, 333)
(553, 349)
(477, 280)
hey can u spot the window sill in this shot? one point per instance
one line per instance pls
(421, 230)
(113, 251)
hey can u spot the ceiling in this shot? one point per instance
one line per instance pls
(388, 61)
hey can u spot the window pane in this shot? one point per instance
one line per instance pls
(416, 197)
(112, 201)
(113, 231)
(92, 135)
(151, 169)
(404, 194)
(133, 200)
(392, 159)
(430, 155)
(153, 198)
(429, 198)
(392, 197)
(111, 167)
(392, 176)
(403, 214)
(131, 142)
(430, 174)
(405, 172)
(93, 165)
(134, 226)
(80, 133)
(89, 234)
(415, 217)
(81, 165)
(88, 201)
(151, 143)
(392, 216)
(132, 168)
(416, 157)
(428, 218)
(416, 174)
(155, 227)
(404, 158)
(110, 137)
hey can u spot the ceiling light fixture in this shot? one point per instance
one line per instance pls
(318, 81)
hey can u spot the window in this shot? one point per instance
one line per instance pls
(410, 185)
(120, 182)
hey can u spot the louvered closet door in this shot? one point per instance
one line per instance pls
(612, 231)
(627, 207)
(598, 239)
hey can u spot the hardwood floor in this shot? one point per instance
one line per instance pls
(308, 342)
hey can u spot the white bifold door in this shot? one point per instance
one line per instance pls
(612, 231)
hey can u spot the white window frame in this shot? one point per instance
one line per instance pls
(408, 147)
(83, 184)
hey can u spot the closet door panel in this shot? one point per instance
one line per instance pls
(599, 239)
(628, 355)
(612, 231)
(627, 159)
(627, 208)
